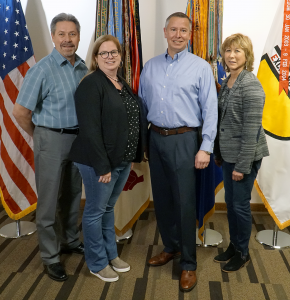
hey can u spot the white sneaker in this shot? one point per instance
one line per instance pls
(107, 274)
(119, 265)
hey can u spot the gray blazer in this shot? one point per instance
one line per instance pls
(241, 137)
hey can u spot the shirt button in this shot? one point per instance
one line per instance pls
(164, 86)
(166, 74)
(170, 65)
(162, 111)
(162, 124)
(161, 98)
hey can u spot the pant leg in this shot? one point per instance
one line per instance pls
(238, 197)
(227, 169)
(100, 244)
(121, 175)
(177, 157)
(50, 156)
(69, 206)
(162, 197)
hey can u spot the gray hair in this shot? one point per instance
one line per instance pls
(64, 17)
(178, 15)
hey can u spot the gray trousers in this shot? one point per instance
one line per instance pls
(173, 178)
(59, 189)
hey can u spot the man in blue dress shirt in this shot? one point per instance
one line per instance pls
(45, 109)
(178, 91)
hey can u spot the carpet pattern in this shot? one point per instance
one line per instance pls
(267, 276)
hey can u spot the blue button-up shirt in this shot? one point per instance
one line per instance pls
(180, 92)
(48, 90)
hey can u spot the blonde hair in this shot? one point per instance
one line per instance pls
(243, 42)
(99, 41)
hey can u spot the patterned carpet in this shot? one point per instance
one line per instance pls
(266, 277)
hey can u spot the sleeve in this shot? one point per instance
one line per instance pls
(208, 104)
(88, 100)
(33, 88)
(253, 103)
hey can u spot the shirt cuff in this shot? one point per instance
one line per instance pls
(207, 146)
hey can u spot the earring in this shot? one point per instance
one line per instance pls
(121, 64)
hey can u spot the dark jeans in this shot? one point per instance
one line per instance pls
(173, 178)
(238, 197)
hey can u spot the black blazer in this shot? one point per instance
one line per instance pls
(103, 124)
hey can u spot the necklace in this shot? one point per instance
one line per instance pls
(117, 80)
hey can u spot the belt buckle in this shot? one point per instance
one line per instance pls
(165, 131)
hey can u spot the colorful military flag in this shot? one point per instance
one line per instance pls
(273, 178)
(17, 180)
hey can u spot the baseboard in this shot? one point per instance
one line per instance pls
(258, 207)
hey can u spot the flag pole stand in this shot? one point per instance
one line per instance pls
(125, 236)
(275, 239)
(17, 229)
(211, 238)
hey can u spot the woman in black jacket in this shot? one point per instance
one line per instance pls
(110, 138)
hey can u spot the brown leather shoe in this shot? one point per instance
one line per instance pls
(187, 281)
(162, 258)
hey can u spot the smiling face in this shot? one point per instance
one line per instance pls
(66, 39)
(235, 58)
(177, 34)
(110, 64)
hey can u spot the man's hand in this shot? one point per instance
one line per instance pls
(202, 159)
(23, 117)
(218, 162)
(132, 166)
(237, 176)
(105, 178)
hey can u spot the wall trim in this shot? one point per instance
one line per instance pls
(219, 206)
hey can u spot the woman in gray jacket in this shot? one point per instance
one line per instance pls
(240, 144)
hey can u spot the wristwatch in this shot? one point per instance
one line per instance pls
(207, 152)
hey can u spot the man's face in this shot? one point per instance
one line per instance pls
(177, 34)
(66, 39)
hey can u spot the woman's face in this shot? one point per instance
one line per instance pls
(108, 62)
(235, 58)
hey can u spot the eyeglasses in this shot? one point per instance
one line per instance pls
(105, 54)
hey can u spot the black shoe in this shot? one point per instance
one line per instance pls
(227, 255)
(80, 249)
(56, 272)
(237, 262)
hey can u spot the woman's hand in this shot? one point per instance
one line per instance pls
(132, 166)
(237, 176)
(105, 178)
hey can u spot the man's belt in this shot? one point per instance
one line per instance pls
(165, 131)
(63, 130)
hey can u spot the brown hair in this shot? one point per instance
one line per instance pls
(245, 43)
(99, 41)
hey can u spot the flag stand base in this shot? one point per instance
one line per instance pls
(211, 238)
(273, 238)
(125, 236)
(17, 229)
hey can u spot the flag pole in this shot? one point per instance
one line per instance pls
(275, 239)
(17, 229)
(211, 238)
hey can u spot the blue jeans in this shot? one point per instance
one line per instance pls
(238, 197)
(98, 216)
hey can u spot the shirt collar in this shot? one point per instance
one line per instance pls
(60, 59)
(178, 56)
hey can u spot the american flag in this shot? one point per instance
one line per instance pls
(17, 179)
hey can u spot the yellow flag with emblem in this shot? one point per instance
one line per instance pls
(273, 180)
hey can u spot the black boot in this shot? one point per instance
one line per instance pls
(228, 254)
(237, 262)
